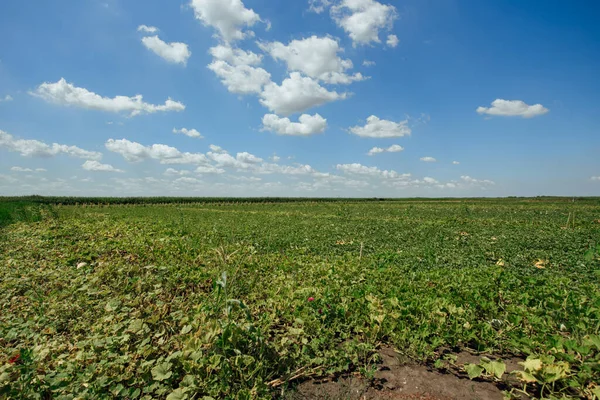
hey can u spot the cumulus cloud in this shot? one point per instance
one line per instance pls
(35, 148)
(209, 169)
(228, 17)
(513, 108)
(174, 52)
(359, 169)
(395, 148)
(147, 29)
(67, 94)
(307, 125)
(136, 152)
(8, 97)
(473, 181)
(296, 94)
(189, 132)
(235, 56)
(240, 79)
(392, 41)
(363, 19)
(368, 63)
(316, 57)
(428, 159)
(21, 169)
(91, 165)
(381, 128)
(175, 172)
(216, 149)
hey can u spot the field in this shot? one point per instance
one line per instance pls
(246, 300)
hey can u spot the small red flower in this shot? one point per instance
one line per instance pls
(14, 359)
(311, 299)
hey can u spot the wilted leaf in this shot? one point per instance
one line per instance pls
(473, 370)
(525, 376)
(532, 364)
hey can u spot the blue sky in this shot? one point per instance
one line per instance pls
(300, 98)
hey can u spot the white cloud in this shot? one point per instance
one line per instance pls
(136, 152)
(359, 169)
(513, 108)
(97, 166)
(316, 57)
(21, 169)
(175, 172)
(428, 159)
(248, 158)
(228, 17)
(595, 178)
(307, 125)
(296, 94)
(67, 94)
(35, 148)
(455, 162)
(318, 6)
(209, 169)
(381, 128)
(8, 97)
(189, 132)
(217, 149)
(147, 29)
(392, 41)
(235, 56)
(469, 180)
(174, 52)
(241, 79)
(363, 19)
(368, 63)
(395, 148)
(187, 181)
(275, 158)
(430, 181)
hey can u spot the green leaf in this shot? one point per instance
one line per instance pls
(162, 372)
(473, 370)
(497, 368)
(593, 340)
(135, 326)
(178, 394)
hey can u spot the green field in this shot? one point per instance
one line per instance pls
(232, 299)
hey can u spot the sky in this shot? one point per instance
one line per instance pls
(300, 98)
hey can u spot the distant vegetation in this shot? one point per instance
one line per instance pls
(222, 300)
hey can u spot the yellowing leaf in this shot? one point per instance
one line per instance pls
(532, 364)
(525, 376)
(541, 264)
(473, 370)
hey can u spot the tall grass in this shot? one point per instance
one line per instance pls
(21, 211)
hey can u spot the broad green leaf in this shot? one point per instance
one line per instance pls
(593, 340)
(162, 372)
(178, 394)
(473, 370)
(497, 368)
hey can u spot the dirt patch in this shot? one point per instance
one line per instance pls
(397, 379)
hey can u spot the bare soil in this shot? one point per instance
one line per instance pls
(402, 380)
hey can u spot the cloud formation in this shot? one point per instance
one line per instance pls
(35, 148)
(513, 108)
(306, 125)
(67, 94)
(174, 52)
(381, 128)
(395, 148)
(228, 17)
(91, 165)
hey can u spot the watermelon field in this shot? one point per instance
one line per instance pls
(247, 299)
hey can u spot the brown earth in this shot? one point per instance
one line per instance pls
(401, 380)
